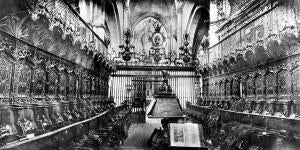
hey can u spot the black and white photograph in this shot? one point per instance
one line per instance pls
(149, 75)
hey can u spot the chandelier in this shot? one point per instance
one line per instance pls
(126, 54)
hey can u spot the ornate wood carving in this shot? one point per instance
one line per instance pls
(52, 84)
(5, 79)
(72, 87)
(63, 83)
(250, 87)
(270, 84)
(259, 86)
(93, 87)
(85, 85)
(296, 82)
(218, 90)
(228, 89)
(39, 80)
(284, 83)
(22, 82)
(235, 88)
(221, 86)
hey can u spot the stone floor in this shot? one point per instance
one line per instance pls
(139, 132)
(138, 135)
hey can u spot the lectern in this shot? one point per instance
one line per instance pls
(167, 107)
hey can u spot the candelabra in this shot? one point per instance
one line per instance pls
(126, 54)
(185, 54)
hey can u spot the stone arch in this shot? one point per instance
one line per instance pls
(143, 30)
(199, 28)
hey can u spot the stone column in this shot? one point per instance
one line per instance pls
(179, 11)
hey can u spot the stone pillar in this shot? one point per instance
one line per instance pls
(179, 11)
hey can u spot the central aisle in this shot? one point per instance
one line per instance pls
(139, 133)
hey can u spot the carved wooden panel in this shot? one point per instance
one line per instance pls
(259, 86)
(283, 83)
(39, 80)
(97, 87)
(72, 87)
(63, 83)
(235, 87)
(5, 77)
(102, 88)
(84, 87)
(216, 87)
(22, 80)
(205, 88)
(210, 89)
(228, 88)
(244, 88)
(271, 84)
(221, 86)
(53, 81)
(218, 94)
(250, 87)
(296, 82)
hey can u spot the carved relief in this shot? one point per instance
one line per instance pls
(221, 86)
(53, 81)
(259, 86)
(218, 93)
(5, 77)
(22, 80)
(296, 82)
(85, 87)
(271, 85)
(235, 88)
(39, 79)
(250, 87)
(63, 85)
(72, 87)
(284, 84)
(228, 89)
(97, 87)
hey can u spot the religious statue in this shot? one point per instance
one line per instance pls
(165, 87)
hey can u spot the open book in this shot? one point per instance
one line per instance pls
(186, 135)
